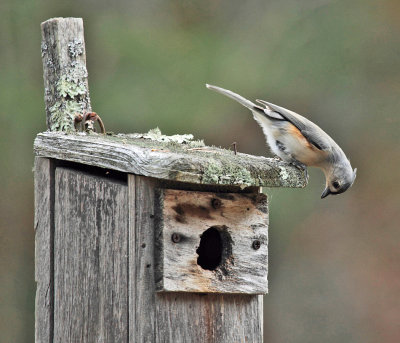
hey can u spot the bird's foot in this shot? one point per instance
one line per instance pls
(301, 167)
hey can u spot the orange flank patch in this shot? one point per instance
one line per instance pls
(296, 133)
(306, 152)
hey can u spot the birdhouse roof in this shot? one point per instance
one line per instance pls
(173, 158)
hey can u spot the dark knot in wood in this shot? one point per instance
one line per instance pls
(256, 244)
(216, 203)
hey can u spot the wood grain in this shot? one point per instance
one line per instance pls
(90, 258)
(211, 318)
(239, 219)
(142, 289)
(44, 229)
(148, 158)
(178, 317)
(64, 71)
(132, 259)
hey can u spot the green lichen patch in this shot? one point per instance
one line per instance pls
(63, 114)
(156, 135)
(212, 173)
(170, 160)
(70, 87)
(222, 166)
(71, 96)
(226, 174)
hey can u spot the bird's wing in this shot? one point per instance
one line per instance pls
(308, 129)
(245, 102)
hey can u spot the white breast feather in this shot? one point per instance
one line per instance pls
(272, 134)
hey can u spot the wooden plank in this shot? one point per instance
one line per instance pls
(178, 317)
(64, 72)
(132, 258)
(221, 242)
(142, 287)
(175, 162)
(198, 318)
(91, 258)
(44, 219)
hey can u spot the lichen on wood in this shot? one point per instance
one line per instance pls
(218, 173)
(64, 72)
(156, 135)
(169, 160)
(70, 95)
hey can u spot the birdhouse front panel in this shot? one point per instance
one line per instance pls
(211, 242)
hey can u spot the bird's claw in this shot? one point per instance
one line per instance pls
(301, 167)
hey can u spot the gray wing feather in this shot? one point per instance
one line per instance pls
(245, 102)
(313, 133)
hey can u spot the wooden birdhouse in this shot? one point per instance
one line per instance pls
(143, 237)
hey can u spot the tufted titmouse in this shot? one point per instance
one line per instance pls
(297, 140)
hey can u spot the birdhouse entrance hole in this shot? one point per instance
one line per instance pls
(215, 247)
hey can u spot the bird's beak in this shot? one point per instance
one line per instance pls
(325, 193)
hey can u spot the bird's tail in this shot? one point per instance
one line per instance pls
(234, 96)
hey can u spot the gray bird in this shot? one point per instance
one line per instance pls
(299, 141)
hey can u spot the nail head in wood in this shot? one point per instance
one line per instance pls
(176, 237)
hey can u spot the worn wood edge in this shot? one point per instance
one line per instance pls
(131, 258)
(143, 292)
(158, 240)
(44, 264)
(260, 301)
(216, 166)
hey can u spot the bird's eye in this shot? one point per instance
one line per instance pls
(335, 184)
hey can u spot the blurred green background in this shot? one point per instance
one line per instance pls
(334, 263)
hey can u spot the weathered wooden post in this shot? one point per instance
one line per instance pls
(143, 237)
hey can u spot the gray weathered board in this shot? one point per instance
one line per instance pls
(95, 268)
(178, 317)
(44, 230)
(237, 220)
(90, 258)
(169, 161)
